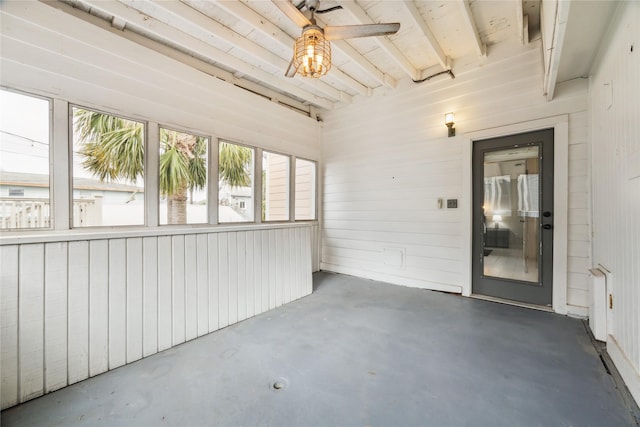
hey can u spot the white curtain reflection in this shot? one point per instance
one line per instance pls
(497, 195)
(528, 195)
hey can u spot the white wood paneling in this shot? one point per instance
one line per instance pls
(223, 280)
(71, 310)
(134, 299)
(165, 298)
(9, 327)
(78, 306)
(242, 276)
(265, 276)
(178, 290)
(214, 287)
(99, 307)
(388, 160)
(232, 256)
(139, 284)
(202, 279)
(191, 287)
(614, 106)
(31, 321)
(250, 279)
(117, 303)
(150, 270)
(55, 316)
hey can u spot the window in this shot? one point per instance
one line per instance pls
(108, 170)
(235, 183)
(275, 187)
(24, 162)
(183, 178)
(305, 190)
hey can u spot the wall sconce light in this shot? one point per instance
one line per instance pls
(449, 121)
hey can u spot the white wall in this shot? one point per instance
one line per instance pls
(77, 303)
(614, 106)
(47, 51)
(387, 160)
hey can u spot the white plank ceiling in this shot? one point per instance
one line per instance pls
(249, 43)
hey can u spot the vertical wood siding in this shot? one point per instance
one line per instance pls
(387, 161)
(71, 310)
(614, 105)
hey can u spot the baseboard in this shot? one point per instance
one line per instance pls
(577, 312)
(391, 278)
(625, 368)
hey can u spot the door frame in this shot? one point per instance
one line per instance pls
(560, 125)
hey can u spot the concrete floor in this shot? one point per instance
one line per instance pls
(358, 353)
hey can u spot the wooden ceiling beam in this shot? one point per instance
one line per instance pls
(554, 46)
(436, 49)
(470, 23)
(194, 23)
(259, 23)
(165, 31)
(520, 20)
(382, 41)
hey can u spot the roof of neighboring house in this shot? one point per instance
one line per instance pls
(228, 214)
(20, 179)
(227, 191)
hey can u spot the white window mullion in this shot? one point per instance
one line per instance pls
(292, 189)
(60, 166)
(214, 180)
(151, 174)
(257, 189)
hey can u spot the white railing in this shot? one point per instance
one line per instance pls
(36, 212)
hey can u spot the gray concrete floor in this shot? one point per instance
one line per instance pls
(358, 353)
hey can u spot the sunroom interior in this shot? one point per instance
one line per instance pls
(350, 182)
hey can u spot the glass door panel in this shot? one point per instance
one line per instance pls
(511, 227)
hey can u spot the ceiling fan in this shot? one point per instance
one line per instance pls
(312, 50)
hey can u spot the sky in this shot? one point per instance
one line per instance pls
(24, 133)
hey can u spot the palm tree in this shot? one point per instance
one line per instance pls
(114, 149)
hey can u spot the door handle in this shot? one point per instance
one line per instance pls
(547, 226)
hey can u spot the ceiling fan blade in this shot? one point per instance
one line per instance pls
(291, 70)
(292, 12)
(366, 30)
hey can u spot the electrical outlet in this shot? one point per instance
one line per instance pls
(452, 203)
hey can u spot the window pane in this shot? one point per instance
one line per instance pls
(305, 189)
(235, 183)
(24, 162)
(275, 187)
(108, 170)
(183, 178)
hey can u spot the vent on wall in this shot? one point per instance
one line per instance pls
(598, 304)
(394, 257)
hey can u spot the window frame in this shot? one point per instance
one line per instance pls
(60, 173)
(315, 189)
(290, 188)
(210, 140)
(145, 174)
(255, 199)
(50, 159)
